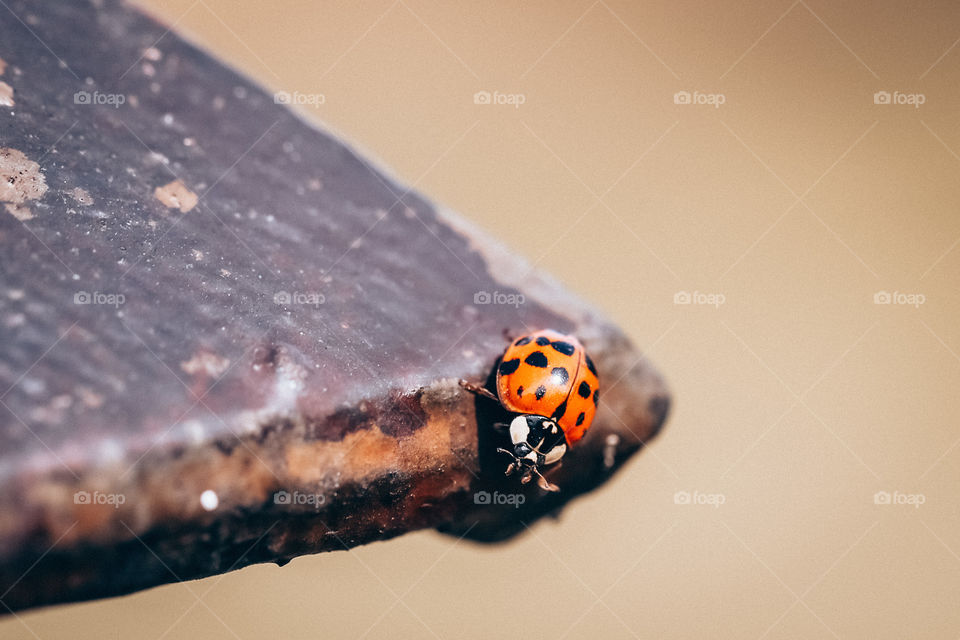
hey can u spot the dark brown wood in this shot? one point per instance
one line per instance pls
(226, 338)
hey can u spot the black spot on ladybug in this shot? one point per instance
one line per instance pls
(559, 411)
(508, 367)
(522, 341)
(584, 389)
(543, 341)
(541, 391)
(565, 348)
(560, 374)
(590, 366)
(536, 359)
(520, 391)
(596, 397)
(580, 418)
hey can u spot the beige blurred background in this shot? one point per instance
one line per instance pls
(789, 205)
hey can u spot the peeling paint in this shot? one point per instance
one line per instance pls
(6, 95)
(176, 195)
(19, 212)
(205, 362)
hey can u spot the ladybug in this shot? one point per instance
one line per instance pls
(549, 380)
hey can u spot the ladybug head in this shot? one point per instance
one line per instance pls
(537, 440)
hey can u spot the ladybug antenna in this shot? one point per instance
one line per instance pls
(478, 390)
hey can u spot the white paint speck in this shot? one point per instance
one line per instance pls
(209, 500)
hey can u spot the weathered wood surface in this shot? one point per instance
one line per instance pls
(199, 292)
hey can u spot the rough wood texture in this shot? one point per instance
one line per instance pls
(199, 292)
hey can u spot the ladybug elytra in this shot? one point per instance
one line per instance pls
(548, 379)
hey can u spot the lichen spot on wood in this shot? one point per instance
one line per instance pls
(20, 177)
(82, 196)
(176, 195)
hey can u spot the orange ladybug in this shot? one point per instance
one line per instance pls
(548, 378)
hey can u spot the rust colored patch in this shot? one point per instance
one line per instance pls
(3, 66)
(337, 426)
(176, 195)
(19, 212)
(369, 453)
(20, 177)
(6, 95)
(403, 415)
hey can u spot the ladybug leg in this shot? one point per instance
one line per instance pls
(478, 390)
(546, 485)
(542, 482)
(513, 466)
